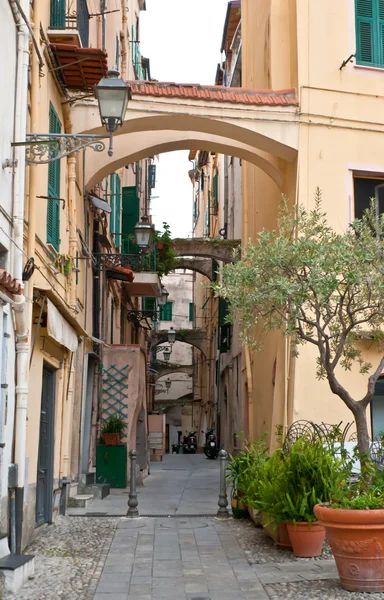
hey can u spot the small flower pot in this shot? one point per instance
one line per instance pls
(239, 509)
(111, 439)
(307, 539)
(159, 246)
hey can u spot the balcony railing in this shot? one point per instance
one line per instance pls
(137, 262)
(71, 15)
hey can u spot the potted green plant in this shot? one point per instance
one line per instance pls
(166, 255)
(254, 456)
(112, 429)
(325, 288)
(234, 470)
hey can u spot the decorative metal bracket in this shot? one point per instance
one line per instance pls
(136, 317)
(43, 148)
(158, 349)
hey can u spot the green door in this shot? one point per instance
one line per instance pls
(111, 465)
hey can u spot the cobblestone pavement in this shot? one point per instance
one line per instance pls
(69, 555)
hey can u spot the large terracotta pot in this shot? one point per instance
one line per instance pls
(239, 509)
(307, 539)
(356, 538)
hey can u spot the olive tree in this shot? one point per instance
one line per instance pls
(319, 287)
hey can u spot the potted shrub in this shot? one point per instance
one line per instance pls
(166, 255)
(233, 472)
(325, 288)
(254, 456)
(112, 429)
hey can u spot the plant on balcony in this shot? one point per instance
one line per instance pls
(112, 429)
(63, 264)
(166, 255)
(326, 289)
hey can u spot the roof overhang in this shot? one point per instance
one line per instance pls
(79, 68)
(231, 22)
(145, 285)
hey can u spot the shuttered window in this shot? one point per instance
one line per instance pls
(149, 304)
(207, 217)
(115, 203)
(370, 32)
(53, 206)
(131, 216)
(166, 312)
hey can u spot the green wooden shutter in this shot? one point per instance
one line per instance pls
(131, 216)
(53, 206)
(224, 339)
(118, 213)
(365, 31)
(166, 312)
(133, 45)
(381, 32)
(57, 14)
(191, 311)
(207, 224)
(149, 304)
(112, 191)
(215, 204)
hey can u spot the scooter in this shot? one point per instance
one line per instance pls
(190, 443)
(211, 449)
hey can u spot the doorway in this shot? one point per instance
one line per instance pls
(44, 481)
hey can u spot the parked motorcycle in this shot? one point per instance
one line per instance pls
(190, 443)
(211, 449)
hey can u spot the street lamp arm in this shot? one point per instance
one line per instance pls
(43, 148)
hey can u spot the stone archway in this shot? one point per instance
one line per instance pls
(200, 265)
(209, 248)
(164, 117)
(194, 337)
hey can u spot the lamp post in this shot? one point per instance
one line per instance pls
(143, 233)
(167, 354)
(168, 383)
(112, 94)
(164, 296)
(171, 335)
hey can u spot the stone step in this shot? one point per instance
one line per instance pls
(87, 478)
(80, 501)
(98, 490)
(17, 569)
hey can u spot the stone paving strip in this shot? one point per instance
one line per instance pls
(174, 559)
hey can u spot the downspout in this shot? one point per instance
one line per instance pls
(19, 306)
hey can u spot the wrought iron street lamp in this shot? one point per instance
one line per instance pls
(167, 354)
(164, 296)
(171, 335)
(143, 233)
(168, 383)
(112, 94)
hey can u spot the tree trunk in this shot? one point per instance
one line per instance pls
(363, 441)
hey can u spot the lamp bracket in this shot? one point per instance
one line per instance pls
(160, 348)
(43, 148)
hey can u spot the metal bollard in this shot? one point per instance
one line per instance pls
(133, 502)
(223, 501)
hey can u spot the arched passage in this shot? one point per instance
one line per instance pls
(129, 148)
(194, 337)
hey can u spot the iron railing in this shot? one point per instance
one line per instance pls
(71, 14)
(137, 262)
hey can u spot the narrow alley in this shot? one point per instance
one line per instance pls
(174, 557)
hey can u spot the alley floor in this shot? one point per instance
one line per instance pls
(183, 556)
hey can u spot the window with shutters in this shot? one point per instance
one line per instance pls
(166, 312)
(196, 207)
(53, 204)
(131, 216)
(364, 189)
(370, 32)
(207, 217)
(149, 304)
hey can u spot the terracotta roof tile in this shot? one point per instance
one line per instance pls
(215, 93)
(9, 283)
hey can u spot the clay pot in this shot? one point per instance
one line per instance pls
(111, 439)
(284, 540)
(307, 539)
(239, 509)
(356, 538)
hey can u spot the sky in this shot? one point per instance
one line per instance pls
(182, 39)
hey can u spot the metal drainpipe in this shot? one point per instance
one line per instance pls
(19, 308)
